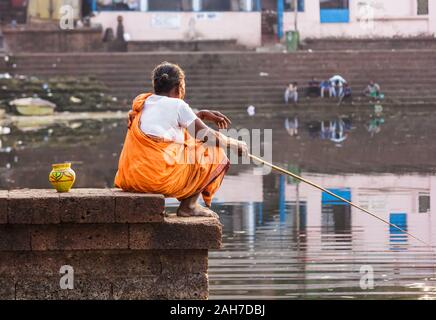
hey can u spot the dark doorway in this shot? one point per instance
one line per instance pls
(336, 218)
(86, 8)
(269, 21)
(217, 5)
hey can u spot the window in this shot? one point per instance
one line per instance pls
(216, 5)
(289, 5)
(152, 5)
(169, 5)
(396, 235)
(424, 203)
(334, 4)
(422, 7)
(334, 11)
(118, 5)
(179, 5)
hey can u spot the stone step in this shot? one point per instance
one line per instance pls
(368, 44)
(189, 46)
(233, 80)
(144, 73)
(224, 79)
(260, 64)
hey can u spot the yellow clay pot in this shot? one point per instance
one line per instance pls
(62, 177)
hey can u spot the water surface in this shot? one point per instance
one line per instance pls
(274, 248)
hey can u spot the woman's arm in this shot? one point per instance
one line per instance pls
(204, 133)
(216, 117)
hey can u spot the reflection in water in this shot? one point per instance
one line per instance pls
(271, 256)
(376, 120)
(282, 239)
(334, 130)
(291, 126)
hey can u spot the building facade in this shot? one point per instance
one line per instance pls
(184, 20)
(364, 19)
(251, 22)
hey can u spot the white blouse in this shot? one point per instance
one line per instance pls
(166, 117)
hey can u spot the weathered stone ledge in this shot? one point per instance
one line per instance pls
(44, 206)
(121, 246)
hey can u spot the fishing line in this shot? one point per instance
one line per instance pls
(295, 176)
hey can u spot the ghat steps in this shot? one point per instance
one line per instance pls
(234, 80)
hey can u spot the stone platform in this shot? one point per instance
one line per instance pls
(120, 246)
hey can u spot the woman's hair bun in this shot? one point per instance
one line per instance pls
(166, 76)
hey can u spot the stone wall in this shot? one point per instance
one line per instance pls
(38, 39)
(120, 246)
(184, 46)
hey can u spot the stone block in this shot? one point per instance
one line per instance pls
(33, 206)
(14, 237)
(7, 288)
(48, 288)
(138, 207)
(184, 261)
(87, 206)
(177, 233)
(180, 286)
(4, 194)
(79, 237)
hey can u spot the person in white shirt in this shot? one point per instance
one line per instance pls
(291, 93)
(337, 84)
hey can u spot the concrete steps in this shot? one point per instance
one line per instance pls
(369, 44)
(234, 80)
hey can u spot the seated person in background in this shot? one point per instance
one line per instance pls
(337, 83)
(324, 87)
(346, 94)
(313, 88)
(291, 93)
(372, 90)
(337, 88)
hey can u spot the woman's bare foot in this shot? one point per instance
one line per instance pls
(190, 208)
(196, 211)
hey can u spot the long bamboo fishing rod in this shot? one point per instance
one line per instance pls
(334, 195)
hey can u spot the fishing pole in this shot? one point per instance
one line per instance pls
(295, 176)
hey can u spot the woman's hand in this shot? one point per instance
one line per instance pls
(216, 117)
(238, 146)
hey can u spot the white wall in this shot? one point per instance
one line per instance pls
(245, 27)
(389, 18)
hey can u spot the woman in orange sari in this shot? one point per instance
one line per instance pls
(170, 150)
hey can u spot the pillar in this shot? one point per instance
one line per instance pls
(432, 18)
(248, 5)
(280, 9)
(143, 5)
(196, 5)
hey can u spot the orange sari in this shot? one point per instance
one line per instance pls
(153, 165)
